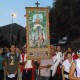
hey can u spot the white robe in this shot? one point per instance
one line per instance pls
(56, 60)
(36, 26)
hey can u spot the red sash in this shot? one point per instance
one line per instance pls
(22, 61)
(31, 69)
(27, 68)
(75, 56)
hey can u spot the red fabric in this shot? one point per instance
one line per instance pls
(74, 56)
(22, 62)
(22, 57)
(32, 70)
(58, 70)
(65, 57)
(51, 47)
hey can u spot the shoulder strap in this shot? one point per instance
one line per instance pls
(17, 55)
(8, 54)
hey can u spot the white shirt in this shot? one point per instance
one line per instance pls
(24, 57)
(45, 71)
(77, 68)
(56, 60)
(57, 57)
(28, 63)
(67, 65)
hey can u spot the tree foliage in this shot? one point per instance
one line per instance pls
(65, 18)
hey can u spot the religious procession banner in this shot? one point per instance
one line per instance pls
(37, 33)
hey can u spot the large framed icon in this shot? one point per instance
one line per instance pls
(37, 33)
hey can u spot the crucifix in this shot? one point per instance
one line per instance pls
(37, 7)
(37, 3)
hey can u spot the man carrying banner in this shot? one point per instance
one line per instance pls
(28, 69)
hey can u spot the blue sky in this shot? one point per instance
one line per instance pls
(7, 7)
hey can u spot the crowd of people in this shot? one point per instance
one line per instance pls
(63, 64)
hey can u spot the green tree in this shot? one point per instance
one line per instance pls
(64, 18)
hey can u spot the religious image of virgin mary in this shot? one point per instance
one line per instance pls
(37, 23)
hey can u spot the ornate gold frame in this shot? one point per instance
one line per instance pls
(34, 53)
